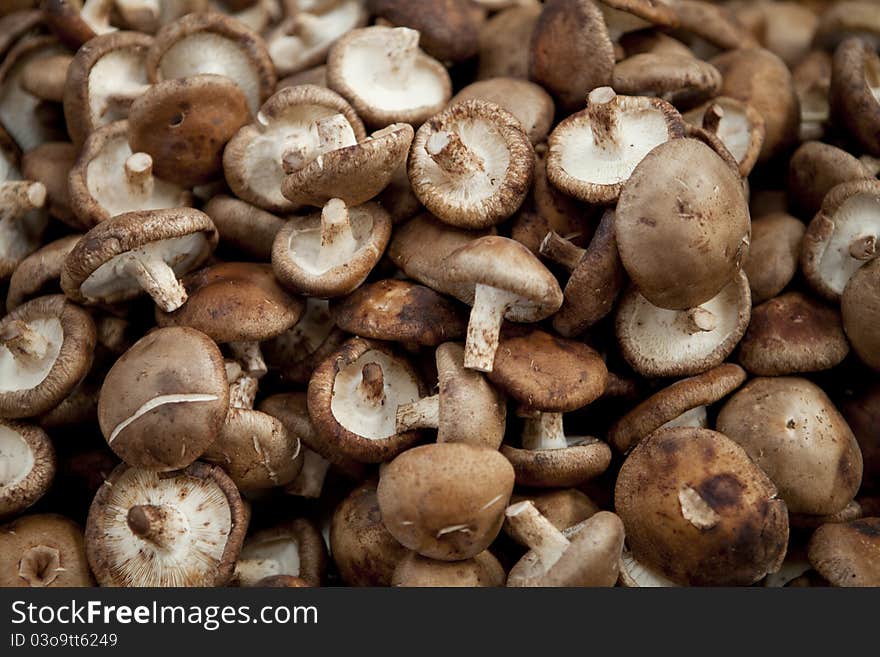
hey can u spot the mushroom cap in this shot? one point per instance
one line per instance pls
(39, 271)
(500, 50)
(316, 76)
(293, 548)
(364, 67)
(740, 129)
(355, 427)
(862, 414)
(682, 224)
(36, 386)
(848, 554)
(184, 125)
(584, 458)
(658, 342)
(474, 484)
(713, 23)
(43, 550)
(792, 333)
(18, 22)
(504, 264)
(773, 255)
(488, 195)
(245, 227)
(544, 372)
(210, 42)
(849, 212)
(698, 510)
(209, 514)
(792, 430)
(563, 507)
(635, 43)
(164, 401)
(525, 100)
(860, 308)
(855, 78)
(399, 311)
(50, 163)
(71, 25)
(852, 511)
(365, 553)
(671, 402)
(183, 237)
(111, 65)
(235, 301)
(682, 80)
(814, 169)
(482, 570)
(596, 173)
(844, 20)
(27, 467)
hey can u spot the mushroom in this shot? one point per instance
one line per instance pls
(658, 342)
(17, 21)
(699, 511)
(46, 347)
(184, 528)
(848, 554)
(772, 260)
(860, 309)
(500, 43)
(652, 41)
(293, 548)
(738, 125)
(139, 251)
(386, 77)
(43, 550)
(446, 501)
(634, 574)
(499, 278)
(471, 165)
(812, 82)
(792, 333)
(814, 169)
(563, 508)
(682, 80)
(801, 521)
(595, 151)
(353, 398)
(50, 164)
(842, 236)
(164, 401)
(525, 100)
(316, 76)
(466, 409)
(44, 78)
(329, 254)
(39, 273)
(110, 179)
(482, 570)
(76, 22)
(862, 413)
(244, 227)
(712, 25)
(842, 20)
(626, 16)
(588, 556)
(681, 404)
(27, 466)
(855, 92)
(682, 225)
(792, 431)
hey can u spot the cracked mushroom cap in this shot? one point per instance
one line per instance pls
(165, 400)
(110, 179)
(659, 342)
(697, 509)
(50, 164)
(297, 124)
(792, 333)
(773, 255)
(482, 570)
(103, 79)
(40, 272)
(525, 100)
(682, 80)
(244, 227)
(43, 550)
(471, 165)
(211, 42)
(446, 501)
(294, 548)
(682, 224)
(814, 169)
(855, 92)
(842, 236)
(848, 554)
(594, 152)
(386, 77)
(353, 398)
(860, 308)
(182, 528)
(740, 127)
(676, 405)
(793, 432)
(27, 466)
(139, 251)
(46, 349)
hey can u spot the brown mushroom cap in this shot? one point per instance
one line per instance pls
(790, 428)
(773, 255)
(582, 459)
(848, 554)
(792, 333)
(682, 80)
(165, 400)
(682, 224)
(626, 16)
(74, 26)
(713, 23)
(244, 227)
(39, 272)
(50, 164)
(855, 79)
(181, 529)
(27, 466)
(46, 349)
(501, 38)
(799, 521)
(814, 169)
(43, 550)
(17, 22)
(740, 128)
(843, 20)
(473, 484)
(862, 413)
(527, 101)
(563, 507)
(860, 308)
(670, 403)
(414, 570)
(697, 509)
(293, 548)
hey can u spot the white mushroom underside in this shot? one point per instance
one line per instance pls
(206, 52)
(279, 556)
(640, 131)
(640, 575)
(118, 73)
(16, 458)
(289, 51)
(25, 374)
(21, 236)
(858, 216)
(195, 552)
(112, 279)
(308, 334)
(304, 244)
(734, 129)
(695, 417)
(358, 414)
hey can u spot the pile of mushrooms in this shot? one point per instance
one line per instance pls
(386, 293)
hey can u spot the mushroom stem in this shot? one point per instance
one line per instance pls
(484, 325)
(326, 134)
(310, 480)
(402, 48)
(156, 278)
(19, 197)
(372, 385)
(250, 355)
(533, 529)
(863, 248)
(699, 319)
(452, 155)
(561, 251)
(160, 525)
(337, 240)
(40, 565)
(243, 392)
(139, 173)
(544, 432)
(423, 413)
(25, 343)
(603, 112)
(712, 118)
